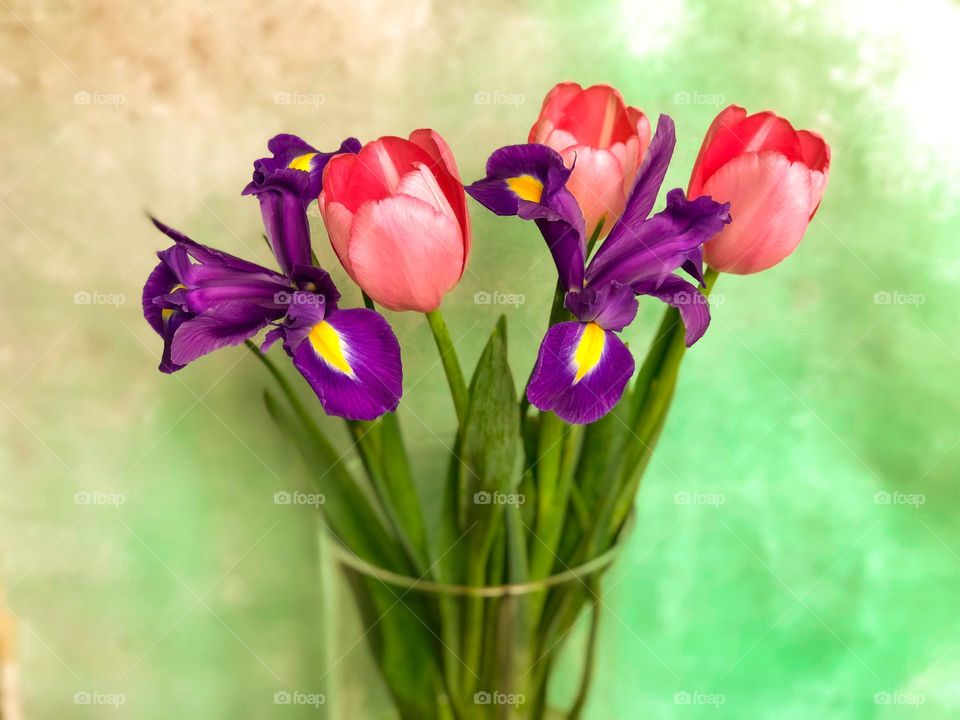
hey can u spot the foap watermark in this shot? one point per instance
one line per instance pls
(92, 697)
(694, 297)
(485, 697)
(498, 498)
(914, 500)
(498, 298)
(496, 97)
(299, 98)
(98, 498)
(297, 298)
(895, 297)
(899, 698)
(296, 497)
(95, 297)
(699, 498)
(695, 697)
(86, 97)
(699, 98)
(296, 697)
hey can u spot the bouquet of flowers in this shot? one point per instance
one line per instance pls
(465, 615)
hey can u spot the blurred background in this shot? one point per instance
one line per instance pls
(796, 551)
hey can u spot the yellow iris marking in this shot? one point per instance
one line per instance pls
(589, 350)
(167, 313)
(526, 187)
(326, 343)
(302, 162)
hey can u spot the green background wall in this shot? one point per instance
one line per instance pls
(812, 588)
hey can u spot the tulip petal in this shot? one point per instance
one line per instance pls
(597, 116)
(551, 111)
(405, 254)
(753, 134)
(771, 200)
(816, 152)
(596, 181)
(373, 173)
(352, 361)
(337, 219)
(581, 372)
(420, 183)
(444, 168)
(727, 118)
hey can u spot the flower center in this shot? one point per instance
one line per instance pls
(326, 342)
(589, 350)
(302, 162)
(526, 187)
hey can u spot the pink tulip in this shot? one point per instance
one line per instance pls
(606, 137)
(773, 177)
(396, 214)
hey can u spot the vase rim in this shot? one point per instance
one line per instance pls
(580, 573)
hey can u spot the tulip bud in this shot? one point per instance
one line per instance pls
(773, 177)
(606, 139)
(396, 215)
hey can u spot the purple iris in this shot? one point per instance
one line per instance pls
(294, 175)
(199, 300)
(583, 367)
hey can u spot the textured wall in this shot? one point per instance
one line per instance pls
(800, 592)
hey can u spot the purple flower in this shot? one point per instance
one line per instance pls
(199, 300)
(292, 177)
(583, 367)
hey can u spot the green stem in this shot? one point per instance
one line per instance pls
(451, 364)
(591, 660)
(298, 407)
(366, 436)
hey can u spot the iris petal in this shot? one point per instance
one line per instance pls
(352, 362)
(581, 372)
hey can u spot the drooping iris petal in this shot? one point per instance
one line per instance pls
(612, 306)
(352, 361)
(693, 306)
(199, 299)
(529, 181)
(663, 243)
(581, 372)
(292, 152)
(228, 324)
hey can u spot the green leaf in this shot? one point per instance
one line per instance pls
(490, 441)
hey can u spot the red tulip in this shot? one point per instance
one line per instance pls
(606, 137)
(396, 214)
(773, 177)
